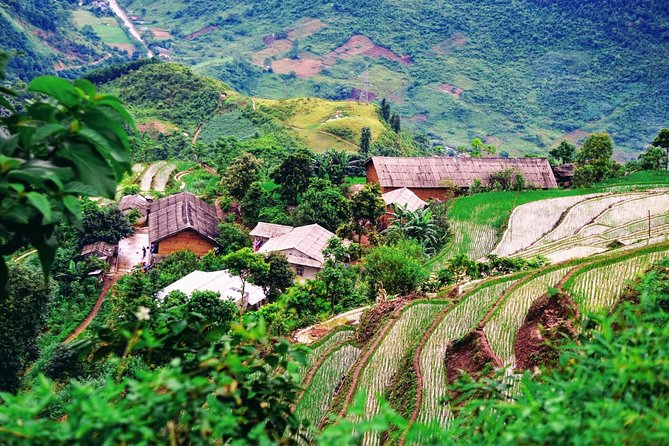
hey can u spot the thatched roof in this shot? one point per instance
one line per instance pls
(176, 213)
(434, 172)
(100, 249)
(270, 230)
(222, 282)
(307, 240)
(564, 172)
(404, 198)
(129, 202)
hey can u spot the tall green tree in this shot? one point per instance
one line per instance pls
(564, 152)
(395, 123)
(365, 141)
(255, 200)
(293, 175)
(325, 206)
(240, 174)
(662, 141)
(395, 269)
(596, 152)
(69, 143)
(385, 110)
(279, 276)
(366, 207)
(247, 265)
(232, 238)
(654, 158)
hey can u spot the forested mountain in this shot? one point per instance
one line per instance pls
(520, 74)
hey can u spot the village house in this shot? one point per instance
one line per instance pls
(182, 221)
(302, 246)
(403, 198)
(436, 177)
(564, 174)
(135, 202)
(222, 282)
(103, 251)
(265, 231)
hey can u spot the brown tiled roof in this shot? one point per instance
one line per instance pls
(309, 240)
(136, 201)
(434, 172)
(99, 249)
(176, 213)
(270, 230)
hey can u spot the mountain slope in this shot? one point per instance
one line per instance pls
(520, 74)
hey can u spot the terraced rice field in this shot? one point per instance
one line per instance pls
(503, 326)
(316, 399)
(385, 361)
(474, 240)
(600, 287)
(162, 177)
(456, 323)
(146, 179)
(338, 337)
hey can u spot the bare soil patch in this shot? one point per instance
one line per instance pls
(201, 32)
(306, 27)
(301, 67)
(357, 95)
(454, 91)
(444, 48)
(275, 48)
(576, 136)
(373, 319)
(419, 117)
(363, 45)
(549, 320)
(472, 355)
(155, 127)
(128, 48)
(160, 33)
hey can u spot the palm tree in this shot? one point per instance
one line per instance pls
(418, 225)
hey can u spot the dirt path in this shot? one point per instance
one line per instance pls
(134, 32)
(96, 308)
(178, 178)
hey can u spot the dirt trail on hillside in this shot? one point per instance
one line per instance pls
(96, 308)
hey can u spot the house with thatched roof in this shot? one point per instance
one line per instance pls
(564, 174)
(102, 250)
(403, 198)
(182, 221)
(303, 248)
(437, 177)
(136, 202)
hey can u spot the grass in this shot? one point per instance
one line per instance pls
(107, 28)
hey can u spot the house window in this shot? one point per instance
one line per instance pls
(299, 270)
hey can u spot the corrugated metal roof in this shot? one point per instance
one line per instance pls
(222, 282)
(405, 198)
(309, 240)
(270, 230)
(176, 213)
(435, 172)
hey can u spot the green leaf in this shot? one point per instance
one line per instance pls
(57, 88)
(47, 130)
(42, 204)
(86, 86)
(118, 107)
(106, 150)
(72, 204)
(7, 163)
(91, 167)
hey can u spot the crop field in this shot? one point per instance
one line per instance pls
(146, 179)
(107, 28)
(316, 399)
(600, 287)
(163, 176)
(456, 323)
(503, 326)
(385, 361)
(338, 337)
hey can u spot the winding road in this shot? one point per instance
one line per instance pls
(132, 29)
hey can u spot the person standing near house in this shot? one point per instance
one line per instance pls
(143, 251)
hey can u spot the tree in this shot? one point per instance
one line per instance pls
(247, 265)
(395, 123)
(396, 269)
(232, 238)
(366, 207)
(293, 175)
(209, 307)
(103, 224)
(584, 176)
(418, 225)
(340, 277)
(279, 277)
(662, 141)
(655, 158)
(596, 152)
(24, 311)
(385, 110)
(365, 141)
(564, 152)
(255, 200)
(240, 174)
(325, 206)
(72, 144)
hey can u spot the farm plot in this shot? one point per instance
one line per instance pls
(146, 179)
(629, 211)
(338, 337)
(457, 323)
(316, 399)
(163, 176)
(532, 221)
(599, 287)
(503, 326)
(385, 361)
(472, 239)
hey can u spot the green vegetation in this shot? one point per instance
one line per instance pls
(107, 28)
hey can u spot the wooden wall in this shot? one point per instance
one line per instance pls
(189, 240)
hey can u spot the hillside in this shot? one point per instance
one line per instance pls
(168, 98)
(520, 75)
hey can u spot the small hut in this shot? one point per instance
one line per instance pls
(265, 231)
(182, 221)
(135, 202)
(403, 198)
(564, 174)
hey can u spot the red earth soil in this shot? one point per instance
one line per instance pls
(154, 128)
(452, 90)
(576, 136)
(359, 44)
(200, 32)
(470, 354)
(301, 67)
(356, 95)
(548, 320)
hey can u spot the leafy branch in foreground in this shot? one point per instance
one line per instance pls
(72, 143)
